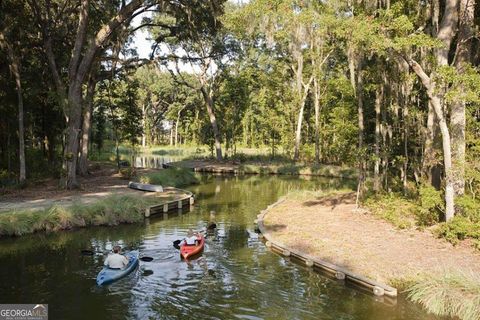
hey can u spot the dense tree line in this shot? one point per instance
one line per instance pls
(55, 49)
(391, 87)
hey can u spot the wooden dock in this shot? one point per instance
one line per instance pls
(164, 207)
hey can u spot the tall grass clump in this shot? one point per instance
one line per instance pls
(451, 294)
(171, 177)
(112, 210)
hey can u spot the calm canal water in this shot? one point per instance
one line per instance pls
(235, 278)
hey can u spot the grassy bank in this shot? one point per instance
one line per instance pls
(109, 211)
(298, 169)
(273, 167)
(172, 177)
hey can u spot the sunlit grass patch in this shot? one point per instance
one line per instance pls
(171, 177)
(111, 210)
(297, 169)
(399, 211)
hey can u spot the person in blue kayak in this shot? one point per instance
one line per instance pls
(190, 240)
(116, 260)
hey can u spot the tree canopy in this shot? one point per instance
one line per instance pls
(389, 87)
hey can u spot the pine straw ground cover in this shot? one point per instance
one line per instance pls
(440, 276)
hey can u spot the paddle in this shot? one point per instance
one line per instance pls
(146, 259)
(211, 226)
(176, 244)
(91, 253)
(87, 252)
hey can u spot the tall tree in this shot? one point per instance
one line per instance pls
(15, 69)
(436, 94)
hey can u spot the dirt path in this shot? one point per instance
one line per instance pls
(331, 229)
(102, 182)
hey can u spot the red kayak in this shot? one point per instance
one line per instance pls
(189, 251)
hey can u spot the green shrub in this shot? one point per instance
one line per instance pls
(102, 156)
(239, 157)
(394, 208)
(468, 207)
(451, 294)
(431, 206)
(172, 177)
(458, 228)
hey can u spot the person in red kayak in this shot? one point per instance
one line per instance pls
(116, 260)
(191, 239)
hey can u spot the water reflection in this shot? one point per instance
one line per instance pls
(236, 277)
(154, 161)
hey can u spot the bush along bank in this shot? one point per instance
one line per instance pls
(425, 208)
(110, 211)
(171, 177)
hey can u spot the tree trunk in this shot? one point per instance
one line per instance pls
(82, 57)
(73, 131)
(298, 132)
(431, 168)
(355, 66)
(213, 121)
(457, 116)
(447, 160)
(376, 169)
(446, 33)
(14, 64)
(435, 99)
(317, 120)
(144, 121)
(21, 131)
(86, 127)
(176, 132)
(298, 89)
(405, 96)
(361, 128)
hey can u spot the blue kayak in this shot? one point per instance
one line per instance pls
(108, 275)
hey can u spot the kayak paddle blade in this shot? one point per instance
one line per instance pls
(176, 244)
(147, 259)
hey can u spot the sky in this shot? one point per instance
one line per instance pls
(143, 44)
(140, 39)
